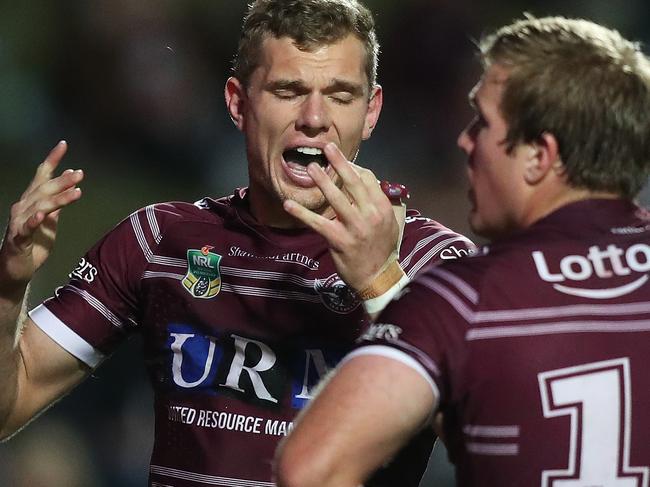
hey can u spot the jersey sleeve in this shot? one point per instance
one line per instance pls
(424, 327)
(426, 241)
(97, 308)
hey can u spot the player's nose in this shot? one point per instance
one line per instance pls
(464, 141)
(314, 115)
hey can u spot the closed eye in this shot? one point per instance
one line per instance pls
(342, 97)
(476, 125)
(285, 94)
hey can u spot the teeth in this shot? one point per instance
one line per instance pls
(311, 151)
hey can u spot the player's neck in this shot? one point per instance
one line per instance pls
(267, 210)
(271, 215)
(555, 201)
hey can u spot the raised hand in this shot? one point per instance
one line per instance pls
(31, 231)
(364, 235)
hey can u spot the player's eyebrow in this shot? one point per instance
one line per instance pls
(336, 85)
(339, 85)
(286, 84)
(474, 103)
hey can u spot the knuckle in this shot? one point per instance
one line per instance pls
(42, 168)
(363, 232)
(347, 241)
(376, 216)
(367, 175)
(16, 209)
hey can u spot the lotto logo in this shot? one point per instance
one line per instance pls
(610, 262)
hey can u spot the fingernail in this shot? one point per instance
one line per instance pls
(312, 166)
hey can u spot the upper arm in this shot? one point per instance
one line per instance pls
(366, 412)
(46, 372)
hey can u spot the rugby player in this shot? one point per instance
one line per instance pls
(535, 350)
(242, 307)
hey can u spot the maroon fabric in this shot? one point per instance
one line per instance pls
(230, 371)
(539, 346)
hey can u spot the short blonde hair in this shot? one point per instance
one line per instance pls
(311, 24)
(586, 85)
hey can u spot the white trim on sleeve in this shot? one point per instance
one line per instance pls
(58, 331)
(395, 354)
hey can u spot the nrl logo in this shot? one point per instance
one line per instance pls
(203, 279)
(336, 295)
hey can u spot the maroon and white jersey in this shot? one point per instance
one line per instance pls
(240, 321)
(539, 350)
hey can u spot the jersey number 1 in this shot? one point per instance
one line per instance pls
(597, 398)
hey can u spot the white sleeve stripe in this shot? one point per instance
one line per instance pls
(64, 336)
(139, 234)
(153, 223)
(96, 304)
(448, 295)
(400, 356)
(431, 253)
(407, 260)
(468, 291)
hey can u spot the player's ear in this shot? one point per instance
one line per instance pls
(374, 109)
(542, 156)
(235, 94)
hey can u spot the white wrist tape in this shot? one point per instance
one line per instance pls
(374, 306)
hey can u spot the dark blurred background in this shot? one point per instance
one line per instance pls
(136, 88)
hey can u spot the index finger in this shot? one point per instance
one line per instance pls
(49, 164)
(339, 162)
(348, 172)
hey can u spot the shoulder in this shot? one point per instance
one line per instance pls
(426, 241)
(498, 269)
(162, 215)
(149, 224)
(418, 226)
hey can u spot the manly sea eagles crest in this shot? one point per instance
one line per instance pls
(336, 295)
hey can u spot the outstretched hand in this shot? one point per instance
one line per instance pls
(31, 231)
(363, 237)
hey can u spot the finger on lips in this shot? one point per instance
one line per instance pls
(397, 193)
(339, 162)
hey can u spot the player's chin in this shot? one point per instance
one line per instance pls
(311, 198)
(476, 223)
(491, 230)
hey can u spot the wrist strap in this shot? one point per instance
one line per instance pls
(374, 306)
(386, 279)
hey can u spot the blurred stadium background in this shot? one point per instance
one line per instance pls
(135, 87)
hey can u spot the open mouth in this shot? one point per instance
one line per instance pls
(303, 156)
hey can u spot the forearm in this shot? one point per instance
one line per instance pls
(354, 425)
(34, 370)
(12, 314)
